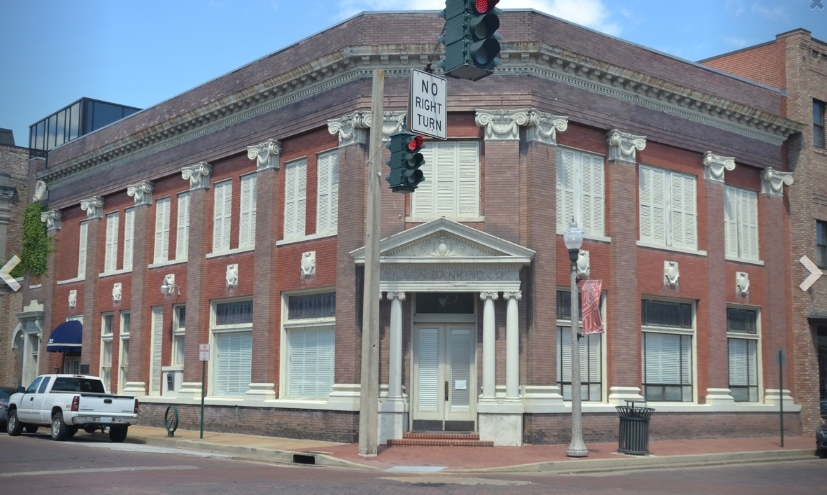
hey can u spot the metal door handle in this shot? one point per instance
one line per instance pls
(446, 390)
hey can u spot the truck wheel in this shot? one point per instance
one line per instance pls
(72, 430)
(60, 431)
(14, 427)
(31, 428)
(117, 433)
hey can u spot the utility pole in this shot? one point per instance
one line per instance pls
(369, 391)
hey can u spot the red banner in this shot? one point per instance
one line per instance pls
(592, 322)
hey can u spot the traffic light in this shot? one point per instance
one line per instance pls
(405, 161)
(470, 38)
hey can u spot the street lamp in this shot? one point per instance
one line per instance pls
(574, 239)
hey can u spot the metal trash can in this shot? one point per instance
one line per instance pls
(634, 429)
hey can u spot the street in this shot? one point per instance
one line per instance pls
(91, 464)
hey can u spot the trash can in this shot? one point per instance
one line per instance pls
(634, 429)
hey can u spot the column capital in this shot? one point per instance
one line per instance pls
(350, 128)
(141, 192)
(396, 295)
(52, 219)
(772, 181)
(198, 175)
(502, 125)
(714, 166)
(543, 127)
(513, 294)
(92, 206)
(489, 295)
(391, 122)
(623, 146)
(265, 154)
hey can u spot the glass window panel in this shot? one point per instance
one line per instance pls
(234, 313)
(105, 114)
(742, 320)
(74, 121)
(41, 133)
(818, 113)
(52, 130)
(445, 303)
(60, 130)
(667, 314)
(321, 305)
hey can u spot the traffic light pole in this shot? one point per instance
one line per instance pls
(369, 391)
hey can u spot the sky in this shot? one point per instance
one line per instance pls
(53, 52)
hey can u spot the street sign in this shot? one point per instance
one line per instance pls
(428, 114)
(203, 352)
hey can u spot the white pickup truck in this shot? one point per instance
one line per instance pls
(68, 403)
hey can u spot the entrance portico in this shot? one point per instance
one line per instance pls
(446, 257)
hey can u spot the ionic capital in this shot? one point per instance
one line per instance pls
(351, 129)
(141, 192)
(489, 295)
(391, 123)
(52, 219)
(543, 127)
(265, 154)
(502, 125)
(715, 165)
(513, 294)
(623, 147)
(396, 295)
(198, 175)
(93, 207)
(772, 181)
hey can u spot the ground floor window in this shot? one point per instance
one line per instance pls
(309, 330)
(123, 359)
(232, 329)
(590, 365)
(742, 333)
(107, 328)
(667, 367)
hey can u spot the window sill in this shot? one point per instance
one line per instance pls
(71, 280)
(671, 249)
(166, 263)
(312, 237)
(586, 237)
(449, 217)
(112, 274)
(741, 260)
(230, 252)
(36, 286)
(174, 367)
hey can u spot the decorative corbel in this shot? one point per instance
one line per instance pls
(309, 264)
(671, 273)
(117, 289)
(583, 264)
(742, 283)
(232, 275)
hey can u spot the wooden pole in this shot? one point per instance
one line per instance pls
(369, 394)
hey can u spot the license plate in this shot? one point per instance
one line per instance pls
(106, 420)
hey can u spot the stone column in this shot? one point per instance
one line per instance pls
(265, 291)
(624, 340)
(489, 342)
(774, 233)
(90, 349)
(139, 331)
(512, 346)
(717, 355)
(393, 412)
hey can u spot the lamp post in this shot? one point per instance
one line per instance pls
(574, 239)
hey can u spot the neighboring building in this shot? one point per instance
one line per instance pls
(14, 175)
(234, 215)
(796, 63)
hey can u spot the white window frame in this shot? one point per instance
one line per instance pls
(156, 350)
(668, 330)
(123, 351)
(747, 337)
(593, 340)
(322, 324)
(327, 208)
(110, 256)
(128, 238)
(452, 190)
(162, 209)
(295, 199)
(182, 237)
(675, 206)
(247, 212)
(82, 243)
(575, 170)
(106, 351)
(216, 332)
(178, 331)
(741, 224)
(222, 216)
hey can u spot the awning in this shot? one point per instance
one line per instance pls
(66, 337)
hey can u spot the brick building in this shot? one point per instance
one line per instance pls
(234, 215)
(796, 63)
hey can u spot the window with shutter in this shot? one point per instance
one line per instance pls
(580, 191)
(310, 351)
(156, 347)
(668, 210)
(741, 223)
(247, 220)
(667, 351)
(590, 356)
(110, 258)
(295, 194)
(182, 236)
(743, 338)
(233, 363)
(128, 238)
(162, 230)
(123, 359)
(327, 210)
(451, 187)
(222, 213)
(84, 232)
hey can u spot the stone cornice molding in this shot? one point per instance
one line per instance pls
(543, 127)
(265, 154)
(489, 295)
(396, 295)
(502, 125)
(623, 147)
(772, 181)
(93, 207)
(391, 122)
(513, 294)
(52, 219)
(198, 175)
(714, 166)
(141, 192)
(351, 129)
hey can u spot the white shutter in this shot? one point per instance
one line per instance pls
(162, 230)
(593, 342)
(564, 352)
(683, 214)
(663, 358)
(592, 204)
(110, 263)
(247, 225)
(311, 363)
(686, 360)
(295, 369)
(460, 368)
(182, 236)
(738, 362)
(327, 210)
(325, 362)
(222, 210)
(445, 179)
(731, 221)
(566, 180)
(428, 375)
(84, 233)
(423, 202)
(748, 224)
(233, 363)
(468, 177)
(653, 205)
(128, 237)
(295, 199)
(156, 346)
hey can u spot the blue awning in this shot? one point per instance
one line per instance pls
(66, 337)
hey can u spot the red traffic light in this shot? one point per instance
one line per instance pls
(485, 6)
(416, 143)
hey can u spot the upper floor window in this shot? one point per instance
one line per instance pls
(821, 243)
(327, 211)
(295, 198)
(452, 181)
(84, 232)
(128, 237)
(111, 252)
(247, 220)
(182, 237)
(222, 216)
(667, 208)
(741, 223)
(818, 123)
(162, 230)
(580, 191)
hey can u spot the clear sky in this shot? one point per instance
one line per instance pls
(140, 53)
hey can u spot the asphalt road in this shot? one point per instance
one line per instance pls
(90, 464)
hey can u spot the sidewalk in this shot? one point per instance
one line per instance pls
(529, 458)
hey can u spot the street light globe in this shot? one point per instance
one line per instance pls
(573, 237)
